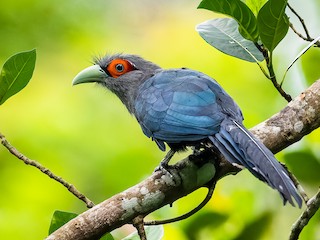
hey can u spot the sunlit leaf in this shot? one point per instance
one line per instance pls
(60, 218)
(255, 5)
(223, 34)
(237, 10)
(16, 73)
(152, 232)
(273, 23)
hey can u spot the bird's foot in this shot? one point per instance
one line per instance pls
(164, 164)
(164, 169)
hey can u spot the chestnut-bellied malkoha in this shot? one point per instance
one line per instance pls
(183, 107)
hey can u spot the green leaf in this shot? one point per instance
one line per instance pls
(239, 11)
(16, 73)
(60, 218)
(107, 236)
(223, 34)
(152, 232)
(255, 5)
(273, 23)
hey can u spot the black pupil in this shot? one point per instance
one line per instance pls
(119, 67)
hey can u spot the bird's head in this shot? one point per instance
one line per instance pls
(120, 73)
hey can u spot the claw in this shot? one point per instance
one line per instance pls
(164, 164)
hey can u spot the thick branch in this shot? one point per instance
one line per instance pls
(296, 120)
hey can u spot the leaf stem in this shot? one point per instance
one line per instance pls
(274, 79)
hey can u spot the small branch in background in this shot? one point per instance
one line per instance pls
(300, 19)
(307, 37)
(188, 214)
(138, 224)
(46, 171)
(312, 207)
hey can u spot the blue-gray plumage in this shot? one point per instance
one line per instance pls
(183, 107)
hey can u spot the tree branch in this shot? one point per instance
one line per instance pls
(296, 120)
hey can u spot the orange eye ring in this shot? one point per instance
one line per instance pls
(118, 67)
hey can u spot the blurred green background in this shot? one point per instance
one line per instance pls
(85, 134)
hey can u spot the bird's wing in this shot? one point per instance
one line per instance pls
(178, 106)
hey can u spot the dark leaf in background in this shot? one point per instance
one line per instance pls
(256, 228)
(273, 23)
(239, 11)
(304, 165)
(16, 73)
(223, 34)
(203, 220)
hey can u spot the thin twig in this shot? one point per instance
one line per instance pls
(300, 19)
(317, 43)
(46, 171)
(312, 207)
(307, 37)
(189, 214)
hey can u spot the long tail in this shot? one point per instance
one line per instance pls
(239, 146)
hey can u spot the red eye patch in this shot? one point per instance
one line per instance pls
(118, 67)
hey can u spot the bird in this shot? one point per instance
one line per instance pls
(185, 108)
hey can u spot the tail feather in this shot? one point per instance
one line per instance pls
(239, 146)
